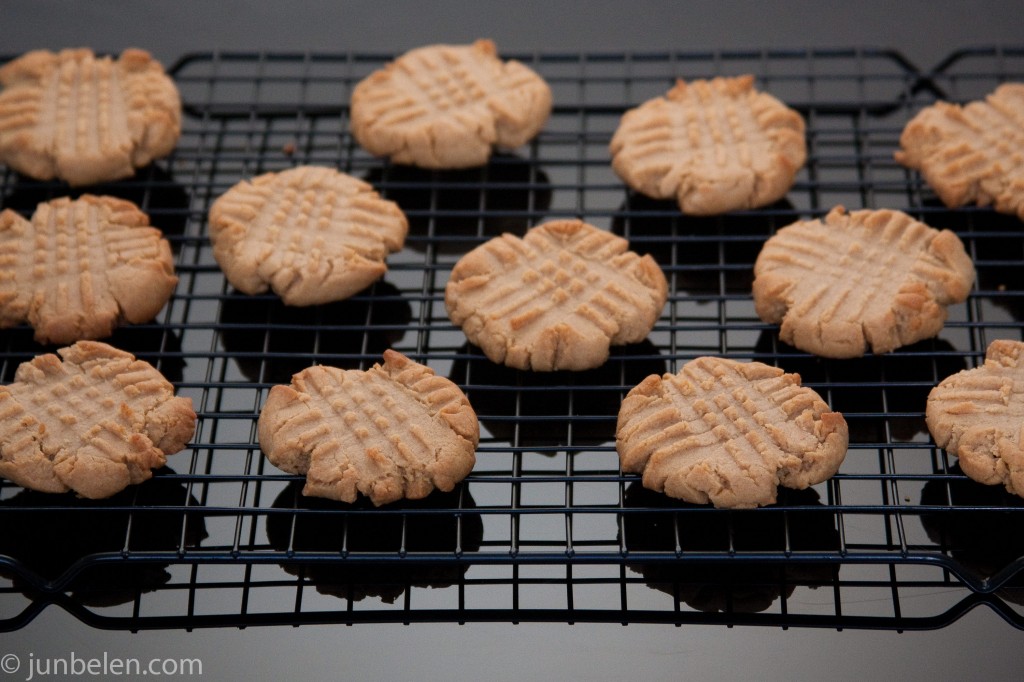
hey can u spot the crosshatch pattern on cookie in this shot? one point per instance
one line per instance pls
(86, 119)
(728, 433)
(971, 154)
(556, 299)
(978, 415)
(446, 106)
(714, 146)
(311, 234)
(93, 420)
(81, 267)
(394, 431)
(860, 280)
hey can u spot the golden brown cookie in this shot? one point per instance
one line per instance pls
(394, 431)
(973, 153)
(867, 279)
(713, 145)
(94, 423)
(86, 119)
(447, 106)
(978, 415)
(728, 433)
(311, 234)
(556, 299)
(81, 267)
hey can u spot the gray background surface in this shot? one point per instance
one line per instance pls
(924, 31)
(979, 644)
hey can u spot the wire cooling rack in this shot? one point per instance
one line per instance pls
(546, 528)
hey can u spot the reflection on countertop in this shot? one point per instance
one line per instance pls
(984, 542)
(455, 210)
(709, 255)
(159, 346)
(441, 523)
(585, 403)
(46, 534)
(271, 341)
(995, 242)
(153, 189)
(662, 524)
(874, 391)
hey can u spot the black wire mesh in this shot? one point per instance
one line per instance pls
(546, 528)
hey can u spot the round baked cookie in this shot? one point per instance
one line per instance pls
(447, 106)
(973, 153)
(311, 234)
(728, 433)
(82, 267)
(93, 423)
(873, 279)
(978, 415)
(556, 299)
(394, 431)
(712, 145)
(86, 119)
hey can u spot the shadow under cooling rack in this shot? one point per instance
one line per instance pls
(546, 527)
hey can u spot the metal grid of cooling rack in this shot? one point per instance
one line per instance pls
(546, 528)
